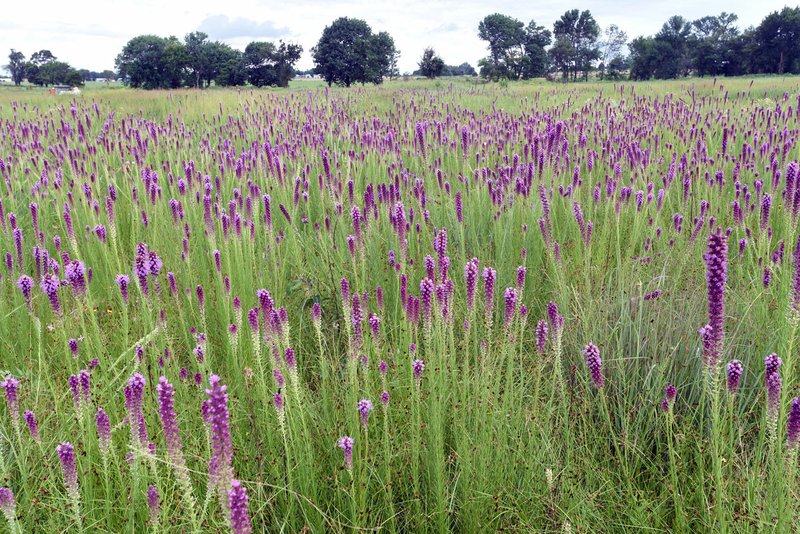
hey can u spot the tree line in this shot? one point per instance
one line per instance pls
(43, 68)
(350, 52)
(710, 45)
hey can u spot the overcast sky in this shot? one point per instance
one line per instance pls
(90, 33)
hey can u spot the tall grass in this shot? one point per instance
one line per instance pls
(472, 427)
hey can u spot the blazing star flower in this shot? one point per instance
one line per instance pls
(103, 430)
(33, 426)
(364, 408)
(734, 373)
(670, 393)
(793, 425)
(237, 503)
(595, 364)
(152, 503)
(418, 367)
(220, 468)
(716, 259)
(346, 444)
(25, 284)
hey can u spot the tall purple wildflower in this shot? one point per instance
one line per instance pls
(541, 336)
(595, 364)
(364, 408)
(11, 387)
(33, 426)
(134, 394)
(734, 374)
(716, 259)
(772, 381)
(103, 430)
(152, 503)
(220, 468)
(489, 278)
(793, 425)
(66, 454)
(50, 284)
(511, 305)
(346, 444)
(75, 273)
(25, 284)
(237, 502)
(169, 422)
(670, 393)
(795, 297)
(471, 277)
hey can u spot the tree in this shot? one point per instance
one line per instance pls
(109, 75)
(536, 39)
(611, 46)
(674, 46)
(16, 66)
(59, 73)
(152, 62)
(348, 52)
(506, 43)
(430, 65)
(394, 59)
(576, 34)
(709, 43)
(777, 42)
(381, 51)
(230, 68)
(197, 57)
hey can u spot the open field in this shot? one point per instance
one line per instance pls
(202, 286)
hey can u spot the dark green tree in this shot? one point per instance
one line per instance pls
(152, 62)
(710, 41)
(537, 62)
(777, 42)
(430, 65)
(348, 53)
(59, 73)
(16, 66)
(581, 31)
(506, 42)
(198, 60)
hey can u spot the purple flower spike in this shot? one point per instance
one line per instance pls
(237, 502)
(152, 503)
(511, 305)
(134, 393)
(66, 454)
(793, 425)
(103, 430)
(670, 392)
(385, 399)
(734, 372)
(418, 367)
(541, 336)
(8, 505)
(50, 284)
(220, 465)
(346, 444)
(11, 387)
(169, 421)
(716, 259)
(595, 364)
(123, 280)
(25, 284)
(33, 426)
(364, 408)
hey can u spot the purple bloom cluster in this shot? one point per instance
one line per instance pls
(595, 364)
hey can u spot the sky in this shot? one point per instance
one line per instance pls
(90, 33)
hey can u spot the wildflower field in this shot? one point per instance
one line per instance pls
(410, 308)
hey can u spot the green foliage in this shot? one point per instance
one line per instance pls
(430, 65)
(348, 52)
(16, 66)
(515, 51)
(576, 47)
(266, 64)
